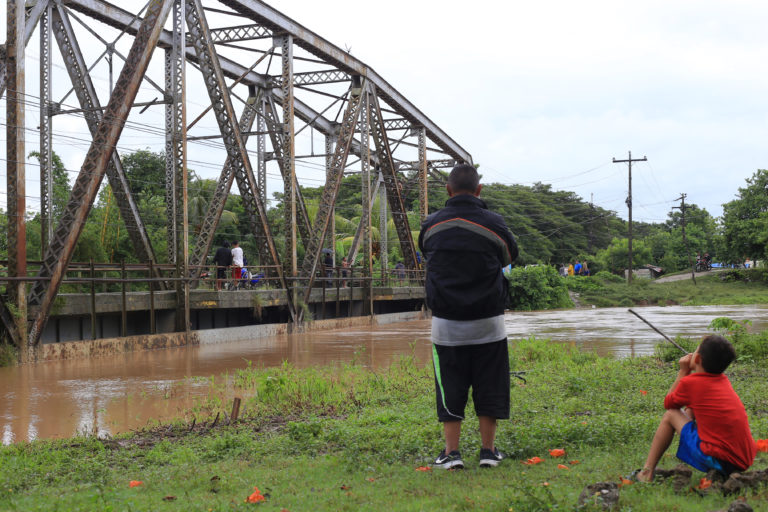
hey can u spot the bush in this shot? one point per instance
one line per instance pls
(8, 355)
(607, 277)
(537, 287)
(746, 275)
(668, 352)
(748, 346)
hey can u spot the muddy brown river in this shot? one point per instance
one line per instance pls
(119, 393)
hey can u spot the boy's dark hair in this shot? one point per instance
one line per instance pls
(716, 353)
(225, 244)
(464, 178)
(236, 242)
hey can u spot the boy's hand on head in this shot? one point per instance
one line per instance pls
(685, 364)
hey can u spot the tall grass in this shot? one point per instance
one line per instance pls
(344, 437)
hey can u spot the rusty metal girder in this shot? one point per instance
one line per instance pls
(365, 184)
(170, 167)
(261, 148)
(332, 76)
(176, 158)
(274, 20)
(216, 205)
(397, 124)
(46, 153)
(15, 170)
(124, 20)
(355, 246)
(423, 167)
(239, 33)
(288, 150)
(330, 144)
(431, 164)
(9, 323)
(233, 140)
(274, 127)
(32, 16)
(330, 191)
(399, 215)
(89, 101)
(96, 161)
(175, 136)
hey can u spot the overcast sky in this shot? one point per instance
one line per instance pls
(550, 91)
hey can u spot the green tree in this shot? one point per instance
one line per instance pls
(745, 220)
(615, 258)
(145, 172)
(61, 186)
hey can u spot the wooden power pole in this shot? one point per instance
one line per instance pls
(629, 205)
(682, 209)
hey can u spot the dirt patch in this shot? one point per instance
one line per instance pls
(149, 437)
(736, 483)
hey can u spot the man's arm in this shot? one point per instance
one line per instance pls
(503, 231)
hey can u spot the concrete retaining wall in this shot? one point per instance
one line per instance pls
(109, 346)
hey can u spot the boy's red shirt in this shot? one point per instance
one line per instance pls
(720, 417)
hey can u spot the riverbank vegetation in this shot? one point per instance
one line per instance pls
(728, 287)
(540, 287)
(348, 438)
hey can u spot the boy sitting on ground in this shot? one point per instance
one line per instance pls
(707, 413)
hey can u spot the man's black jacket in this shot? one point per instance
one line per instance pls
(223, 257)
(466, 246)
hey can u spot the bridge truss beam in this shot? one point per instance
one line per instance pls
(86, 186)
(312, 88)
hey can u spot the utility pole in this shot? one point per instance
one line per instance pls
(682, 208)
(591, 221)
(629, 205)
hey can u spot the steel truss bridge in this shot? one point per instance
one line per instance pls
(268, 79)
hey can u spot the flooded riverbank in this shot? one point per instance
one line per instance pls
(119, 393)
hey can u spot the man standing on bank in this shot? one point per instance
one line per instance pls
(466, 246)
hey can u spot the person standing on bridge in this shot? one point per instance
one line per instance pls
(223, 260)
(237, 261)
(465, 247)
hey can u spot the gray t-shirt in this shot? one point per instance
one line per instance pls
(468, 332)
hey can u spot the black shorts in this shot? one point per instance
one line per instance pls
(484, 368)
(221, 273)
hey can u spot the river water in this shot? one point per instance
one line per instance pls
(119, 393)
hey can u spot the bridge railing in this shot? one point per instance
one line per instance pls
(92, 277)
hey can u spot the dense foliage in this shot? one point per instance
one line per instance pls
(745, 220)
(552, 227)
(537, 287)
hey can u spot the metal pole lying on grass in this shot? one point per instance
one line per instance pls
(658, 331)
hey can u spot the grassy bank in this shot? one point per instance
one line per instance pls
(346, 438)
(710, 289)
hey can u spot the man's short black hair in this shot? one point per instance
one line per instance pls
(225, 244)
(464, 178)
(236, 242)
(716, 353)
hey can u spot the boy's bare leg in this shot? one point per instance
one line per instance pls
(487, 431)
(673, 421)
(452, 431)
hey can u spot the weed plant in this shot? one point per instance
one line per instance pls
(9, 356)
(345, 437)
(537, 287)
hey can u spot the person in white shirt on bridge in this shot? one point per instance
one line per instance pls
(237, 260)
